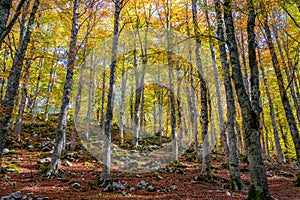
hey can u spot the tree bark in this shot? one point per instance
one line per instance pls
(36, 90)
(203, 91)
(217, 86)
(259, 185)
(122, 100)
(280, 155)
(49, 89)
(18, 126)
(62, 122)
(105, 179)
(235, 179)
(284, 98)
(14, 80)
(91, 97)
(79, 90)
(171, 83)
(179, 111)
(102, 121)
(2, 80)
(288, 74)
(5, 7)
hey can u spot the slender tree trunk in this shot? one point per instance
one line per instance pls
(23, 20)
(102, 122)
(239, 138)
(288, 74)
(212, 125)
(160, 110)
(235, 179)
(105, 179)
(194, 113)
(36, 91)
(250, 109)
(5, 11)
(49, 90)
(179, 111)
(18, 126)
(79, 91)
(5, 6)
(245, 75)
(14, 80)
(284, 98)
(2, 80)
(267, 139)
(122, 100)
(203, 91)
(218, 91)
(62, 122)
(91, 98)
(171, 84)
(264, 137)
(137, 99)
(172, 105)
(295, 75)
(283, 134)
(280, 155)
(191, 93)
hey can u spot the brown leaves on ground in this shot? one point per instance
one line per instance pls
(79, 180)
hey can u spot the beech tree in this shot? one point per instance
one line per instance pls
(5, 9)
(250, 108)
(13, 81)
(105, 178)
(217, 86)
(62, 121)
(283, 94)
(235, 179)
(203, 91)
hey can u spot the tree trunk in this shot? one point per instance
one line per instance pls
(5, 7)
(137, 99)
(18, 126)
(235, 179)
(179, 112)
(288, 75)
(191, 94)
(36, 91)
(194, 113)
(203, 91)
(284, 98)
(250, 113)
(2, 80)
(212, 126)
(13, 81)
(245, 75)
(91, 98)
(62, 122)
(217, 86)
(49, 89)
(105, 179)
(122, 100)
(79, 91)
(102, 122)
(171, 84)
(280, 155)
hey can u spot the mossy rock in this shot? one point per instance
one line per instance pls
(12, 168)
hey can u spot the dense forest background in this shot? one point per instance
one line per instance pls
(130, 77)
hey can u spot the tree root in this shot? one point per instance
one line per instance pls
(104, 182)
(54, 173)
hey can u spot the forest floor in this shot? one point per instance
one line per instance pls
(25, 173)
